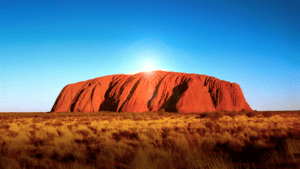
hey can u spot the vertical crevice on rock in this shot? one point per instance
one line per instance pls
(153, 96)
(171, 103)
(74, 102)
(109, 103)
(130, 94)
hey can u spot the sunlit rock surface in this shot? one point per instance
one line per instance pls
(151, 91)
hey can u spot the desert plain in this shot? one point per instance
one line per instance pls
(219, 139)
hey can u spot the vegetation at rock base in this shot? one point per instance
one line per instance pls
(150, 140)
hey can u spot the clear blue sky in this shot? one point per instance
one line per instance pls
(47, 45)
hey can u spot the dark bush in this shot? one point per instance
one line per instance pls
(169, 143)
(161, 112)
(209, 125)
(68, 157)
(267, 114)
(126, 135)
(251, 114)
(204, 114)
(294, 134)
(26, 162)
(230, 114)
(216, 115)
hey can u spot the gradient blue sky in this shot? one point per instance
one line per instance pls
(47, 45)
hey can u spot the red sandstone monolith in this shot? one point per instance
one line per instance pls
(151, 91)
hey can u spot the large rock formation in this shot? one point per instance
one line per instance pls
(172, 91)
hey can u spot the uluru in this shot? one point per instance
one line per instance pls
(152, 91)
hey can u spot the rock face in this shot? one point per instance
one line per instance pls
(151, 91)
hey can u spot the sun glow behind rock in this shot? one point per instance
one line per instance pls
(147, 67)
(146, 72)
(147, 55)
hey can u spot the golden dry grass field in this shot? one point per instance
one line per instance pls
(150, 140)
